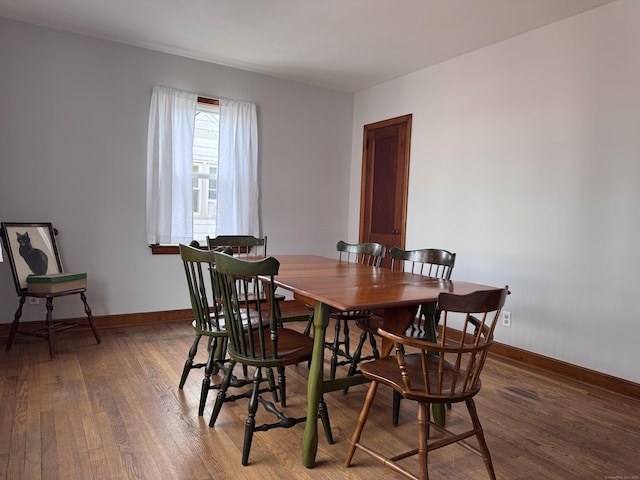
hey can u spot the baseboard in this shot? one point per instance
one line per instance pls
(568, 370)
(111, 321)
(574, 372)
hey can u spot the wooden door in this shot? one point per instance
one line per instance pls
(385, 178)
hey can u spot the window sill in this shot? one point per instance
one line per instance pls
(164, 249)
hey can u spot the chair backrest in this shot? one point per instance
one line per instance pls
(255, 343)
(242, 245)
(200, 272)
(431, 262)
(365, 253)
(456, 360)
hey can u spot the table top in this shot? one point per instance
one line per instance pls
(351, 286)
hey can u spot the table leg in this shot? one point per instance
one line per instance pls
(314, 385)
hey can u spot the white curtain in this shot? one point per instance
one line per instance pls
(238, 169)
(169, 166)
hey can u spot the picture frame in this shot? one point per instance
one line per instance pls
(31, 249)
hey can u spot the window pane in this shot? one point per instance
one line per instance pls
(196, 189)
(213, 183)
(205, 155)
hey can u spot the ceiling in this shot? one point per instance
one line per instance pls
(346, 45)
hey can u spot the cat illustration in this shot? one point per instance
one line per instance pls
(36, 259)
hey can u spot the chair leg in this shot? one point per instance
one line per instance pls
(396, 407)
(188, 364)
(222, 394)
(282, 381)
(357, 355)
(272, 384)
(219, 354)
(323, 413)
(334, 351)
(374, 346)
(307, 329)
(355, 359)
(50, 327)
(251, 419)
(486, 456)
(92, 323)
(16, 322)
(362, 419)
(345, 340)
(206, 380)
(423, 439)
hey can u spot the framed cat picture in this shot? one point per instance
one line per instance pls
(31, 249)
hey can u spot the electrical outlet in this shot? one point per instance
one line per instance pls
(34, 301)
(506, 319)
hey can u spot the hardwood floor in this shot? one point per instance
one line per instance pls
(113, 411)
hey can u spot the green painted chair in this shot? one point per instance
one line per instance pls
(208, 318)
(431, 262)
(367, 254)
(244, 246)
(260, 345)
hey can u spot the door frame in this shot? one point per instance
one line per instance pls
(365, 183)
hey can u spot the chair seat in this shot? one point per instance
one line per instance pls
(220, 330)
(386, 371)
(210, 330)
(370, 324)
(250, 297)
(293, 347)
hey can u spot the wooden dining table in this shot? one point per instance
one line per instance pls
(328, 284)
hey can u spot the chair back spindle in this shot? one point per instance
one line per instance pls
(199, 270)
(370, 253)
(241, 245)
(430, 262)
(256, 341)
(451, 366)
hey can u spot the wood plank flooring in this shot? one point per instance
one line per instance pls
(113, 411)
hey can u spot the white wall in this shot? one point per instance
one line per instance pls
(525, 160)
(73, 128)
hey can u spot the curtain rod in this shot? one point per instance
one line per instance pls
(212, 101)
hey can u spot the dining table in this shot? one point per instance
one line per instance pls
(328, 284)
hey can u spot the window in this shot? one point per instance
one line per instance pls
(202, 169)
(205, 169)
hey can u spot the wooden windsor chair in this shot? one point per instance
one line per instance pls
(446, 371)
